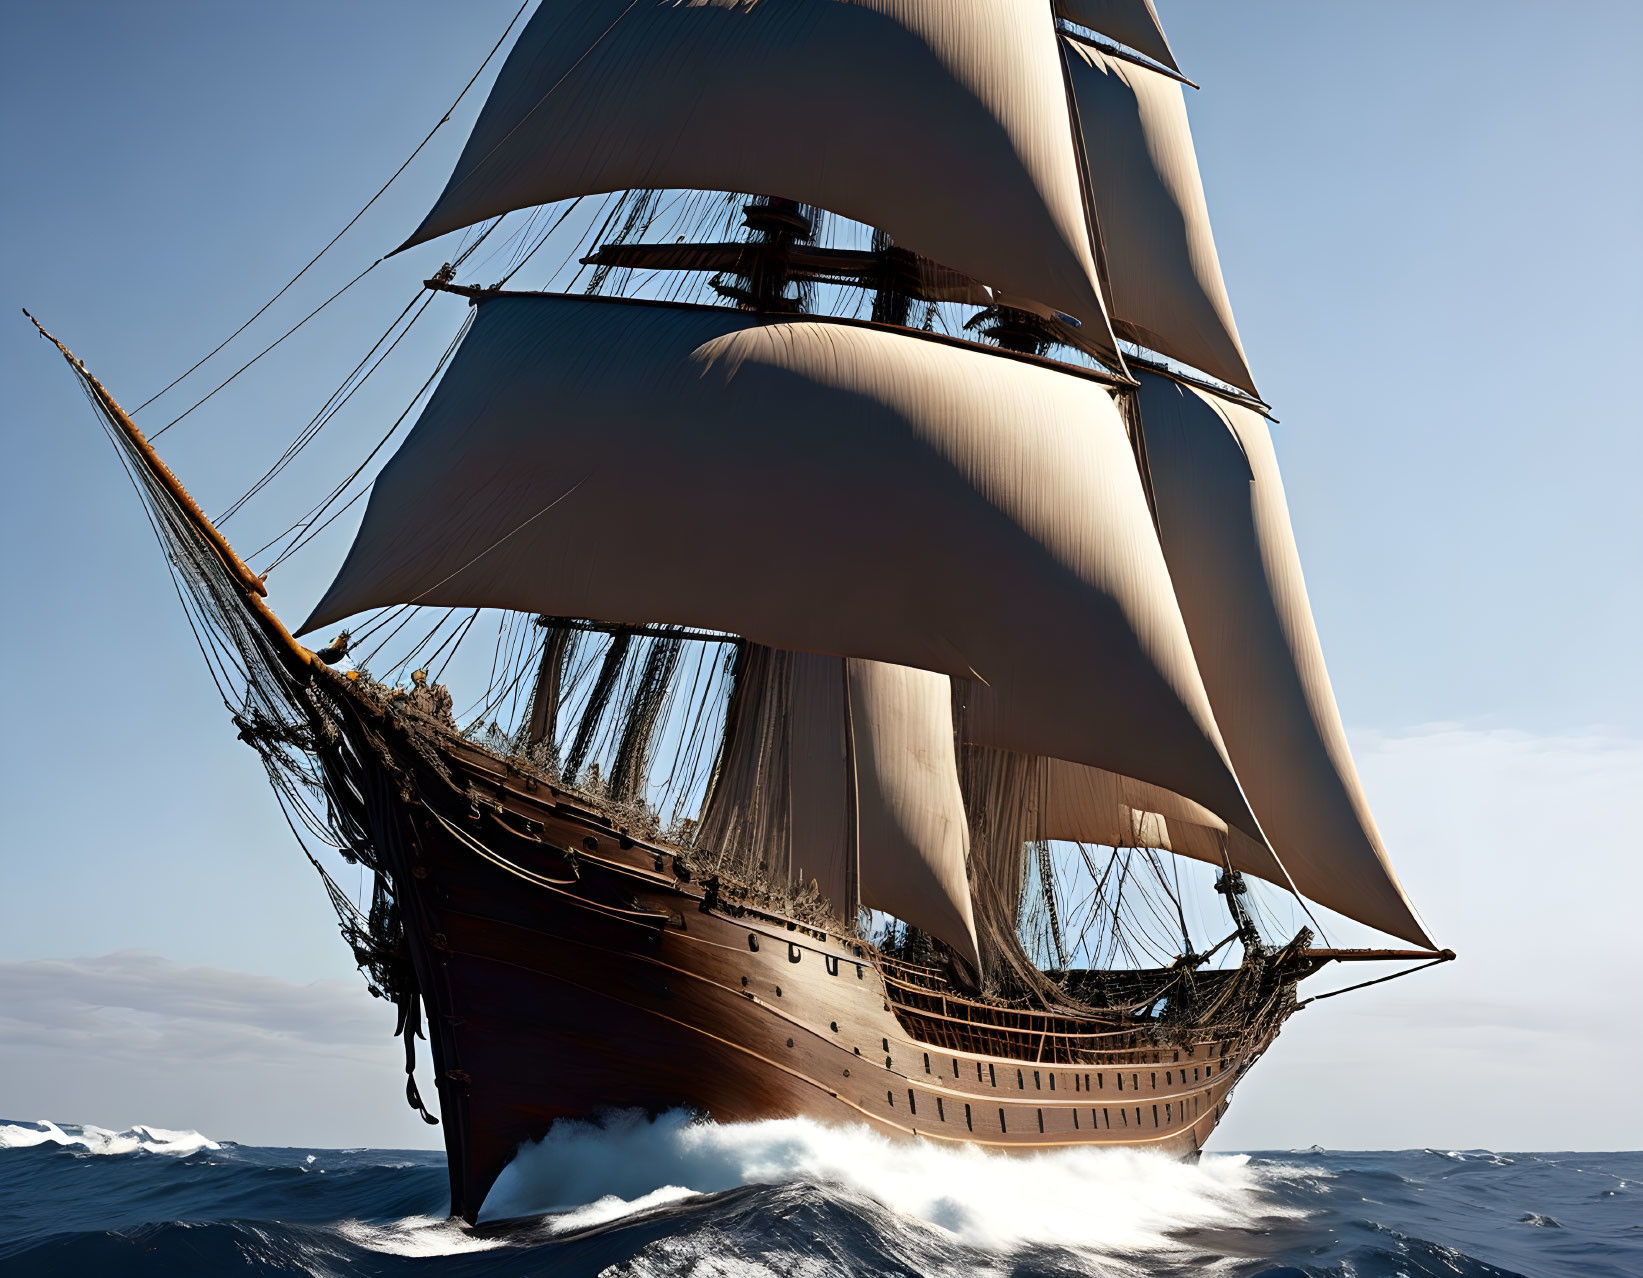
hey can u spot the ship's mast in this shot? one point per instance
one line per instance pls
(549, 674)
(763, 271)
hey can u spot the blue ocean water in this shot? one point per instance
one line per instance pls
(640, 1199)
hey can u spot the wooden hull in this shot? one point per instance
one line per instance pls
(568, 969)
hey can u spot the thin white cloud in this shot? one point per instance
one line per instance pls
(139, 991)
(133, 1037)
(1525, 856)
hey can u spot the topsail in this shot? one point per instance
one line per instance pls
(1162, 272)
(944, 125)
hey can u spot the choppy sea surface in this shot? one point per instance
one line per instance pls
(632, 1198)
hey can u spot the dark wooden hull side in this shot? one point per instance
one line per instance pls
(561, 985)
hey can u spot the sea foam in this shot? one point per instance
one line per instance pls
(100, 1140)
(416, 1237)
(1114, 1200)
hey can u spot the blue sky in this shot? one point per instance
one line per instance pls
(1427, 218)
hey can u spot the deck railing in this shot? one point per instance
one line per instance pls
(932, 1013)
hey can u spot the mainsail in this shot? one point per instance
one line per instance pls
(944, 125)
(814, 485)
(901, 725)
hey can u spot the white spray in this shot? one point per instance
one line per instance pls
(1114, 1200)
(100, 1140)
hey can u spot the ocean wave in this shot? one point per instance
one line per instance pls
(100, 1140)
(673, 1198)
(417, 1236)
(1474, 1156)
(1117, 1200)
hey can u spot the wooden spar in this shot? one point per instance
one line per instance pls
(1101, 375)
(864, 268)
(252, 585)
(1110, 46)
(647, 632)
(1156, 364)
(1375, 956)
(1434, 959)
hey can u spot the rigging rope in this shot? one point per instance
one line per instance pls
(219, 386)
(304, 530)
(443, 120)
(410, 655)
(457, 636)
(332, 406)
(603, 686)
(1444, 958)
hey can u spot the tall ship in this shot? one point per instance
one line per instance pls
(904, 706)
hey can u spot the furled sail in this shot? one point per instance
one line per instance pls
(1225, 528)
(810, 484)
(781, 801)
(817, 744)
(824, 846)
(945, 126)
(1163, 277)
(1130, 22)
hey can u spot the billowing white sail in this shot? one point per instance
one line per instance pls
(944, 125)
(1129, 22)
(1025, 798)
(1163, 277)
(1088, 805)
(1225, 528)
(809, 484)
(913, 836)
